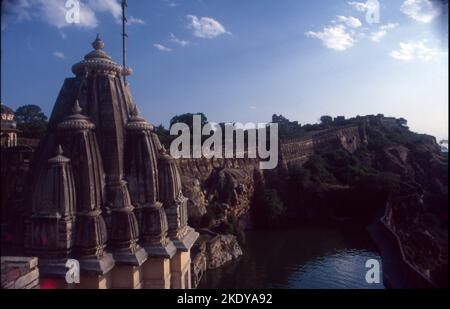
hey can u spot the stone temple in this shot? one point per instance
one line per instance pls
(104, 191)
(8, 127)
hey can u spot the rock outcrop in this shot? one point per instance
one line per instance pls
(228, 182)
(212, 252)
(196, 205)
(221, 250)
(418, 213)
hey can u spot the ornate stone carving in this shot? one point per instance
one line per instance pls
(77, 136)
(98, 62)
(142, 175)
(175, 204)
(77, 121)
(109, 144)
(50, 228)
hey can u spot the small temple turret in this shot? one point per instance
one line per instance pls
(76, 134)
(175, 205)
(142, 175)
(172, 196)
(50, 229)
(141, 168)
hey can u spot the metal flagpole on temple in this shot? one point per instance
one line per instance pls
(124, 38)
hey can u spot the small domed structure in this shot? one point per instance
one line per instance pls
(98, 62)
(8, 127)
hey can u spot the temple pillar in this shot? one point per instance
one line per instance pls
(180, 268)
(157, 273)
(127, 277)
(95, 281)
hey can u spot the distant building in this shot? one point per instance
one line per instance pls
(8, 127)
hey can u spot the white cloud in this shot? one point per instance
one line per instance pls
(170, 3)
(376, 36)
(178, 41)
(18, 8)
(115, 9)
(416, 50)
(162, 48)
(421, 10)
(135, 21)
(206, 27)
(359, 6)
(334, 37)
(350, 21)
(111, 6)
(59, 55)
(54, 12)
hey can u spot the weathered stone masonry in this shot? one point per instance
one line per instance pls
(298, 151)
(104, 191)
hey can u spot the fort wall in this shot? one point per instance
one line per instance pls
(298, 151)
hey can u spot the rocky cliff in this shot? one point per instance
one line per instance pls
(344, 175)
(218, 189)
(418, 214)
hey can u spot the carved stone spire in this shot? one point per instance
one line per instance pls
(117, 173)
(141, 169)
(175, 204)
(80, 142)
(50, 228)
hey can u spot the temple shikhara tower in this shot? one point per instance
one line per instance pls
(104, 191)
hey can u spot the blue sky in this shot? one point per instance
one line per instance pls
(243, 60)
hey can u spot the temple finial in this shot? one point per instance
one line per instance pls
(135, 111)
(59, 151)
(76, 109)
(98, 44)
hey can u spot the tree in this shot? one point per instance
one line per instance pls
(164, 136)
(188, 119)
(326, 120)
(403, 122)
(31, 121)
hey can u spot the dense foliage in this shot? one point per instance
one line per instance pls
(31, 121)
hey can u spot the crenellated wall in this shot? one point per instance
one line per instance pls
(298, 151)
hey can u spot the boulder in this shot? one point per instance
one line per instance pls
(221, 250)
